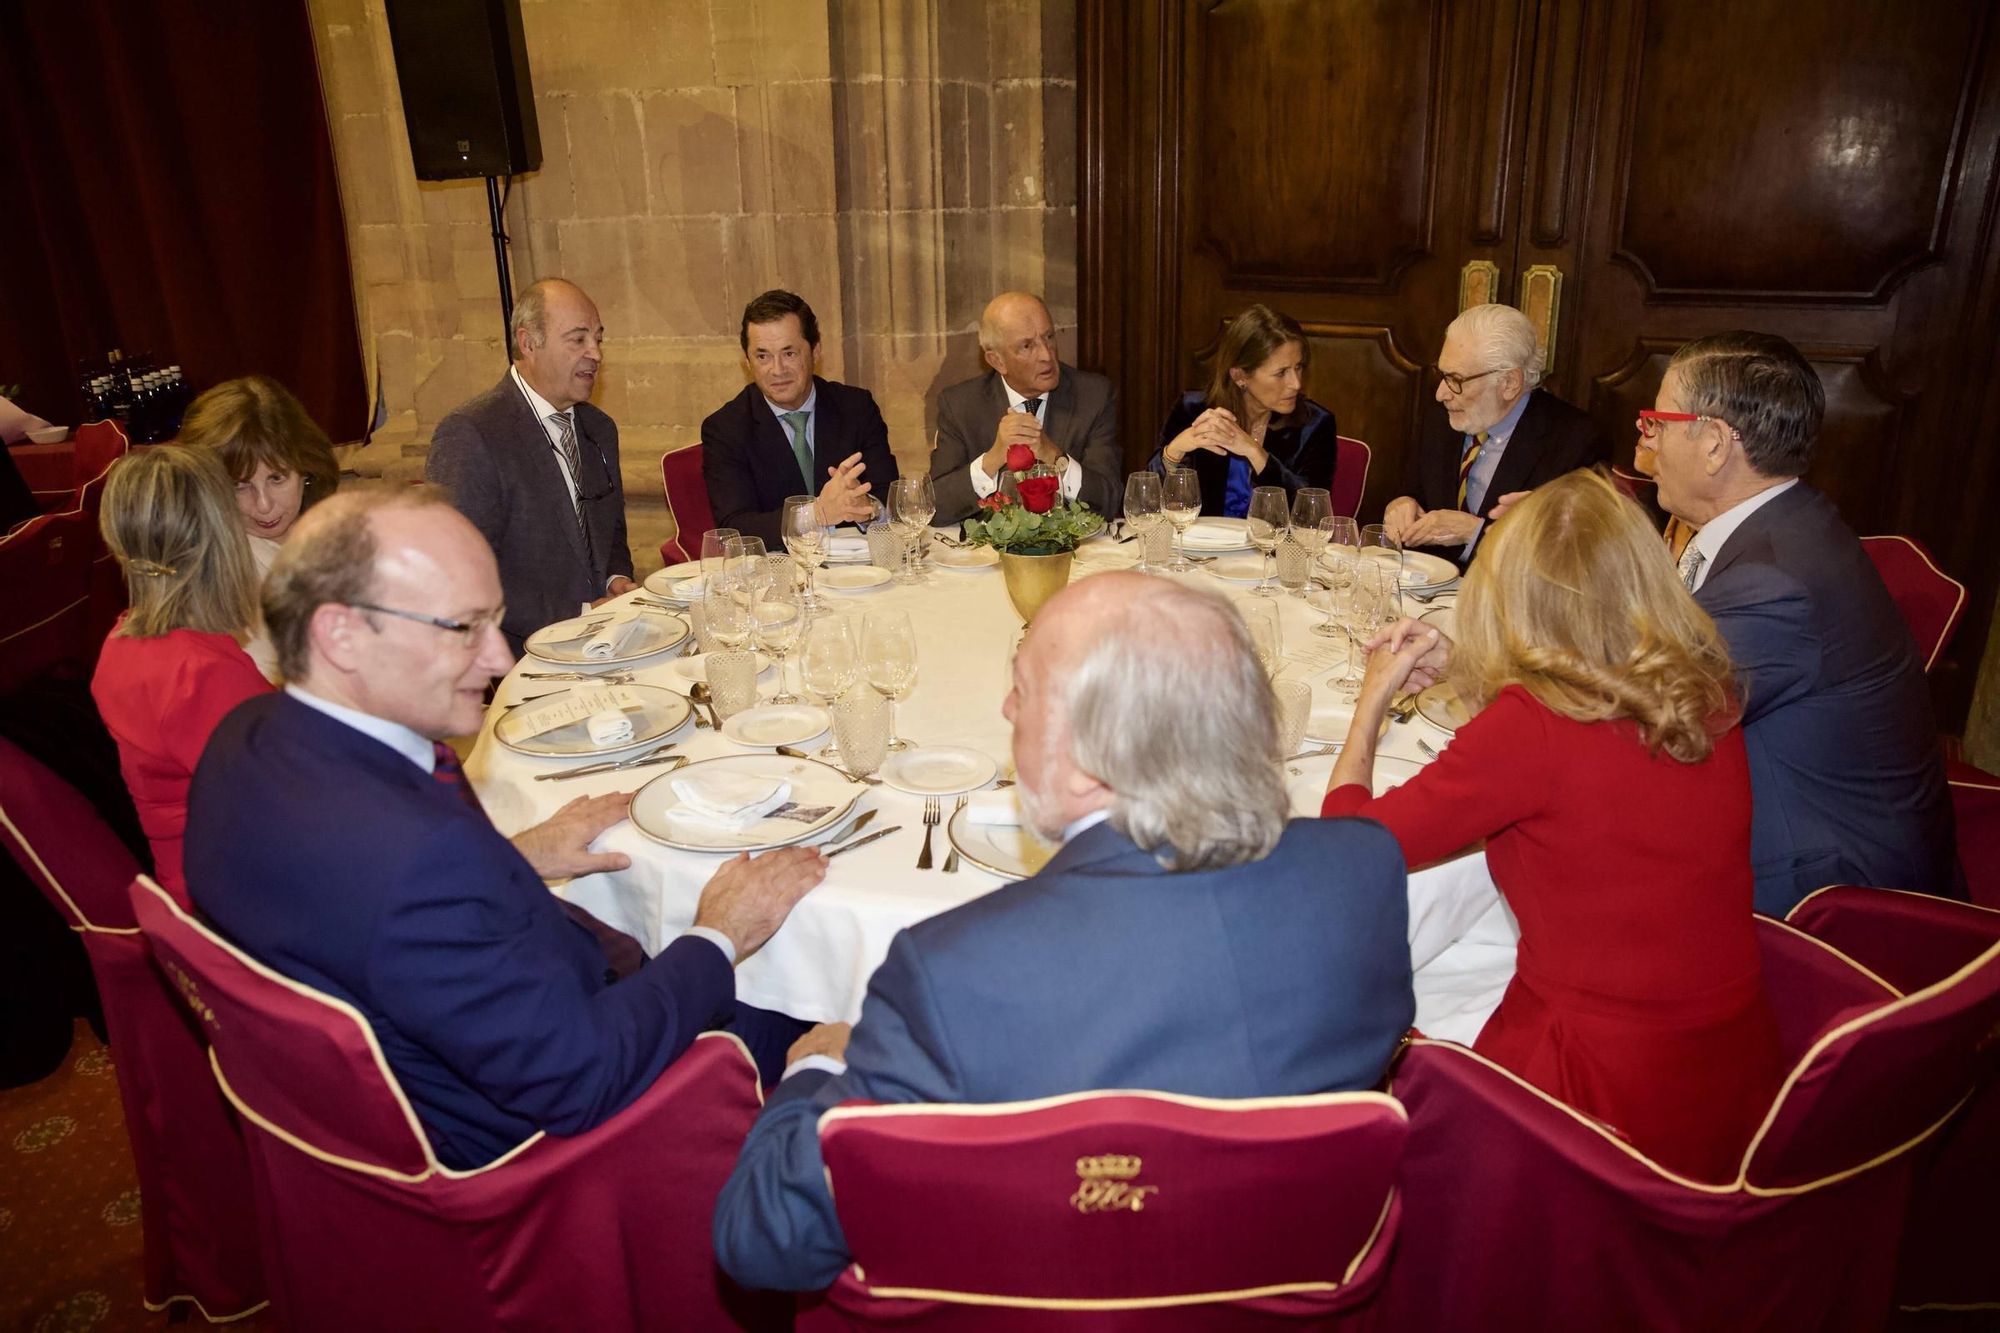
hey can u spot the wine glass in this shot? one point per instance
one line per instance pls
(1180, 499)
(1142, 511)
(1377, 538)
(745, 556)
(912, 503)
(1343, 541)
(713, 544)
(889, 649)
(1362, 605)
(828, 664)
(1261, 619)
(777, 620)
(805, 538)
(1269, 519)
(1312, 523)
(725, 604)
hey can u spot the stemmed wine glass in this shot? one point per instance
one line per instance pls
(1343, 541)
(1266, 639)
(1142, 512)
(828, 664)
(1378, 538)
(805, 538)
(1180, 499)
(912, 503)
(1268, 520)
(713, 544)
(745, 556)
(778, 620)
(725, 606)
(1312, 524)
(889, 649)
(1363, 611)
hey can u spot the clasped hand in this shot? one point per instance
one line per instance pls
(845, 497)
(1414, 657)
(1217, 431)
(1023, 428)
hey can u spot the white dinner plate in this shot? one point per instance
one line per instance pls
(1419, 570)
(1243, 569)
(1329, 722)
(1443, 618)
(853, 578)
(939, 770)
(668, 582)
(815, 786)
(1305, 780)
(662, 712)
(1007, 850)
(776, 724)
(1208, 535)
(1442, 708)
(964, 558)
(563, 641)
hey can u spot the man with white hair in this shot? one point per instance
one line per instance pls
(1186, 938)
(1492, 432)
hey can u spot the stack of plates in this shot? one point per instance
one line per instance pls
(1419, 572)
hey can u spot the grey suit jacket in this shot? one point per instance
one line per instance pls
(503, 473)
(1082, 418)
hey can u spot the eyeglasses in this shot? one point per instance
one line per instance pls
(604, 469)
(1651, 421)
(468, 631)
(1457, 383)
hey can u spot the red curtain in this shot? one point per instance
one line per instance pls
(167, 185)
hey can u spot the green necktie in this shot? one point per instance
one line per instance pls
(802, 449)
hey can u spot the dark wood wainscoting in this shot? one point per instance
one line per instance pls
(1632, 174)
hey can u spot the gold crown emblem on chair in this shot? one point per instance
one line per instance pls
(1109, 1167)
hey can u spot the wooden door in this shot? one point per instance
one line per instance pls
(1823, 172)
(1339, 162)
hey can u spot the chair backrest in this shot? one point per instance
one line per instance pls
(1975, 810)
(1631, 483)
(1115, 1200)
(1910, 940)
(64, 846)
(278, 1045)
(687, 504)
(1880, 1082)
(1350, 476)
(45, 595)
(99, 444)
(1931, 600)
(1811, 984)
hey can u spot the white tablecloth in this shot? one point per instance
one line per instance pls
(817, 966)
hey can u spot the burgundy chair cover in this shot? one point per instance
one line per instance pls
(45, 597)
(687, 503)
(1975, 805)
(1951, 1247)
(99, 444)
(1930, 599)
(195, 1202)
(1521, 1213)
(1111, 1210)
(363, 1228)
(1350, 475)
(1633, 484)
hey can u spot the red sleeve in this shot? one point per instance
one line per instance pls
(1492, 774)
(209, 686)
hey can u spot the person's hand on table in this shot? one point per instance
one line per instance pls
(845, 497)
(750, 896)
(559, 846)
(828, 1039)
(618, 587)
(1390, 668)
(1442, 527)
(1400, 516)
(1503, 504)
(1429, 668)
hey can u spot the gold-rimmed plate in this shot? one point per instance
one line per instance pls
(1010, 851)
(817, 787)
(563, 642)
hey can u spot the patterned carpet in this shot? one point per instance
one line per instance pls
(69, 1206)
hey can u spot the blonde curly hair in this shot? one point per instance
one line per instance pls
(1576, 599)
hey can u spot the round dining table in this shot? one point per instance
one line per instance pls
(1462, 938)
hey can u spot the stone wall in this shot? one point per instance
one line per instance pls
(896, 162)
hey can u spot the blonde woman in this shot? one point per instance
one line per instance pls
(174, 664)
(280, 461)
(1597, 688)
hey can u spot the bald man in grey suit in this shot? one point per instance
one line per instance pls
(535, 466)
(1069, 417)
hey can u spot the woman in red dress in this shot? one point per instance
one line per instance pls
(1604, 770)
(174, 663)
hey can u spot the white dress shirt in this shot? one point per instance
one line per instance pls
(1718, 530)
(1072, 473)
(1483, 467)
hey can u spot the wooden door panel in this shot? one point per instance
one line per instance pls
(1380, 386)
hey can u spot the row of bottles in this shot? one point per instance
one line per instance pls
(148, 398)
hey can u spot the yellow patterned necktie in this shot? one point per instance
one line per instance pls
(1465, 464)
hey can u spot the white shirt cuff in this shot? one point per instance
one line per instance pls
(982, 485)
(1072, 480)
(715, 937)
(826, 1062)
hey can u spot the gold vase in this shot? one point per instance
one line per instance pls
(1033, 579)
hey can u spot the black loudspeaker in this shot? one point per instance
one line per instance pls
(463, 67)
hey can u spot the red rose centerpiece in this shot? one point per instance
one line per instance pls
(1036, 534)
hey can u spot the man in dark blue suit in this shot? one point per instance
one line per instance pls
(1186, 938)
(331, 835)
(790, 432)
(1845, 765)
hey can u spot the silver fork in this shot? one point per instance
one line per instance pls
(932, 811)
(1423, 748)
(951, 862)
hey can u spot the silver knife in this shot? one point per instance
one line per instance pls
(863, 842)
(854, 826)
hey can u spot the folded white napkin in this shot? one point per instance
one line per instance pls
(616, 636)
(688, 589)
(610, 727)
(994, 807)
(846, 545)
(1216, 534)
(729, 800)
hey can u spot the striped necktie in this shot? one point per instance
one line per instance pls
(1465, 464)
(451, 773)
(572, 458)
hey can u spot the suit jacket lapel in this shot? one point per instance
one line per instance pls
(545, 469)
(1517, 460)
(1059, 419)
(774, 441)
(827, 448)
